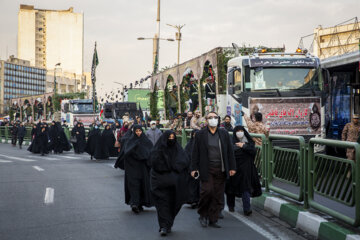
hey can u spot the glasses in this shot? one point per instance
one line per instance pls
(216, 117)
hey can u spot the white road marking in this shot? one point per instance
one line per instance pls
(5, 161)
(38, 168)
(17, 158)
(49, 196)
(253, 225)
(70, 157)
(111, 165)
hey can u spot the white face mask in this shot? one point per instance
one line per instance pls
(153, 127)
(239, 135)
(213, 122)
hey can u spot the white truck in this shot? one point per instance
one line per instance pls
(285, 87)
(78, 109)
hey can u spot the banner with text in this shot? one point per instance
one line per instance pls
(295, 116)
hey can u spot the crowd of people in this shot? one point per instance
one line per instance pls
(160, 172)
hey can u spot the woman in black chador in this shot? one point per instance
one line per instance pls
(245, 183)
(79, 132)
(169, 188)
(193, 184)
(63, 143)
(35, 143)
(135, 157)
(107, 144)
(93, 145)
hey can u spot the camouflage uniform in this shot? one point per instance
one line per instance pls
(256, 127)
(351, 133)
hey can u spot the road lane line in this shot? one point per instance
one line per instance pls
(5, 161)
(49, 196)
(17, 158)
(38, 168)
(253, 225)
(69, 157)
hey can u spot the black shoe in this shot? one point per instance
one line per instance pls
(221, 216)
(203, 221)
(231, 209)
(42, 154)
(91, 157)
(141, 209)
(247, 213)
(135, 209)
(214, 225)
(163, 232)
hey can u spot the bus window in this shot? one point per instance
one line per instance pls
(238, 80)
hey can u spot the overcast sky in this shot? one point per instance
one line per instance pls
(116, 24)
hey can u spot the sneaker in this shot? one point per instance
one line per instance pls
(163, 232)
(135, 209)
(214, 225)
(203, 221)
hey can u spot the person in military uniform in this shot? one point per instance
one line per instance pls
(256, 127)
(194, 94)
(351, 133)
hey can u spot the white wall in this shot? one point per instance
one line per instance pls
(26, 35)
(64, 41)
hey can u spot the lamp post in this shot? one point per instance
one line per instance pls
(178, 38)
(56, 65)
(156, 49)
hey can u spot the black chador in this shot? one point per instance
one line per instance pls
(93, 145)
(169, 188)
(245, 183)
(193, 184)
(79, 132)
(107, 144)
(135, 157)
(58, 140)
(43, 137)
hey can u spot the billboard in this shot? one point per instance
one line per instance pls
(295, 116)
(141, 96)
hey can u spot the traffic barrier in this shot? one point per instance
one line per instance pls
(334, 178)
(286, 166)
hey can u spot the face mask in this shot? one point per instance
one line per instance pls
(153, 127)
(239, 135)
(96, 127)
(213, 122)
(171, 142)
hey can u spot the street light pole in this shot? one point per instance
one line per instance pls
(178, 38)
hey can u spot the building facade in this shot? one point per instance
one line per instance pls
(49, 37)
(19, 79)
(337, 40)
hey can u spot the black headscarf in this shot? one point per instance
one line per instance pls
(246, 134)
(142, 145)
(168, 158)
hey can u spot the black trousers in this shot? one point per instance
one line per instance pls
(134, 185)
(212, 195)
(21, 139)
(13, 140)
(165, 203)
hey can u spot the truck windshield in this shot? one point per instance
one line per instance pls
(283, 79)
(82, 108)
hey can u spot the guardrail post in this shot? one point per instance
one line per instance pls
(183, 138)
(265, 163)
(305, 176)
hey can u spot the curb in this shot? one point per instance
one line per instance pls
(298, 217)
(25, 143)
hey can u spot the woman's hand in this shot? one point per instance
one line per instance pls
(240, 144)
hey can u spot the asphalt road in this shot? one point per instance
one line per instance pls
(69, 196)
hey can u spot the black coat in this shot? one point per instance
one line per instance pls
(193, 184)
(246, 177)
(21, 132)
(79, 133)
(200, 160)
(93, 145)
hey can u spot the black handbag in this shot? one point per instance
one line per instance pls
(73, 139)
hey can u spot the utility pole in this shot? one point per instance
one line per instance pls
(178, 38)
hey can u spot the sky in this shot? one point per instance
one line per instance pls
(116, 24)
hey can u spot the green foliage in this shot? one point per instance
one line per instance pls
(184, 94)
(154, 112)
(11, 113)
(59, 97)
(222, 59)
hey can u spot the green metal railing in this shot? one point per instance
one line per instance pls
(335, 178)
(286, 165)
